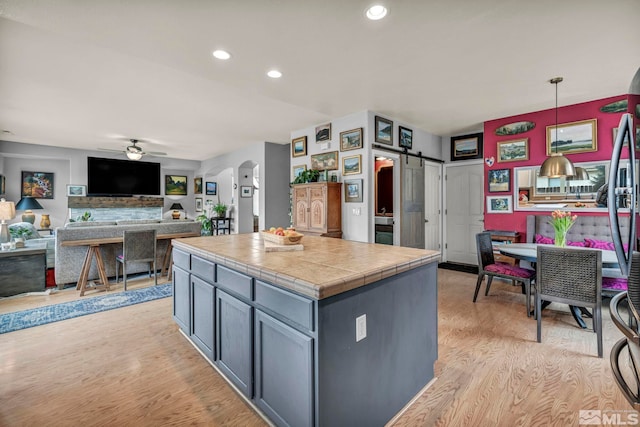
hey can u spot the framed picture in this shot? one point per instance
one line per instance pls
(299, 147)
(37, 184)
(352, 190)
(246, 191)
(513, 151)
(405, 137)
(352, 165)
(175, 185)
(626, 139)
(325, 161)
(574, 137)
(351, 139)
(323, 132)
(197, 185)
(297, 170)
(524, 195)
(499, 181)
(211, 188)
(198, 204)
(384, 130)
(76, 190)
(3, 188)
(499, 204)
(466, 147)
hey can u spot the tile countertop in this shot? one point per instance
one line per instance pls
(325, 267)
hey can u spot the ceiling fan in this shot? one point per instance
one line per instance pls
(134, 152)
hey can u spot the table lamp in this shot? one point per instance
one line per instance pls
(26, 204)
(7, 212)
(177, 207)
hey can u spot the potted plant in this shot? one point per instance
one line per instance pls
(205, 224)
(220, 209)
(309, 175)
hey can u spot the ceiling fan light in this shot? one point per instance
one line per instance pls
(134, 155)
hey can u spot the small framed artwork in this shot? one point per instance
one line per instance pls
(325, 161)
(211, 188)
(499, 181)
(246, 191)
(626, 138)
(353, 190)
(351, 139)
(38, 185)
(524, 195)
(198, 204)
(3, 188)
(76, 190)
(297, 170)
(352, 165)
(299, 146)
(384, 130)
(405, 137)
(197, 185)
(574, 137)
(513, 151)
(175, 185)
(466, 147)
(499, 204)
(323, 132)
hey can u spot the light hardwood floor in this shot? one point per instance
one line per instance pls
(131, 366)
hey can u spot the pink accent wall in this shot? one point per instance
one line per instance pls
(517, 221)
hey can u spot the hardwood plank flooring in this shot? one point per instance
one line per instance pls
(131, 366)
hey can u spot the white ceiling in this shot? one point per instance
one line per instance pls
(80, 73)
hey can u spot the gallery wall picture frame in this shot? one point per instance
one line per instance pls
(197, 185)
(466, 147)
(246, 191)
(573, 137)
(353, 191)
(499, 204)
(198, 204)
(384, 130)
(513, 151)
(352, 165)
(405, 137)
(325, 161)
(76, 190)
(299, 147)
(3, 187)
(626, 139)
(38, 185)
(211, 188)
(323, 132)
(499, 180)
(175, 185)
(351, 139)
(297, 170)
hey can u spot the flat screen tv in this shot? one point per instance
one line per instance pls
(114, 177)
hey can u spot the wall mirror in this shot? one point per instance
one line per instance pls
(533, 192)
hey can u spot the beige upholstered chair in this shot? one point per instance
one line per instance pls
(571, 276)
(137, 247)
(487, 266)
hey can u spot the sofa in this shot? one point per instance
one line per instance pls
(587, 231)
(69, 259)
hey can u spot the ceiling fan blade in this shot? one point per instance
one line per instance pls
(155, 153)
(110, 150)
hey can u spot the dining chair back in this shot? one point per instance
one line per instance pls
(487, 266)
(139, 246)
(571, 276)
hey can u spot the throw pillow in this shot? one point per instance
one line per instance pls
(26, 230)
(542, 240)
(603, 244)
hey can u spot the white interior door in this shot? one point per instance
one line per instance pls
(464, 211)
(412, 202)
(432, 205)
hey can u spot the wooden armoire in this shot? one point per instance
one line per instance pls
(317, 208)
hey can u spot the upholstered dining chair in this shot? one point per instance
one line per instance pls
(487, 266)
(138, 246)
(571, 276)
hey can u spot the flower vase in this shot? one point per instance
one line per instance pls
(561, 238)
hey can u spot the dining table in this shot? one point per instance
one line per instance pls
(529, 252)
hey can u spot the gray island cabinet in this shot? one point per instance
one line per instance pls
(340, 334)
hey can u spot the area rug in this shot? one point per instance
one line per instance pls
(10, 322)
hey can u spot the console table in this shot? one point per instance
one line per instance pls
(23, 270)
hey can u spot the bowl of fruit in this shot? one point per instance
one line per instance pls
(282, 236)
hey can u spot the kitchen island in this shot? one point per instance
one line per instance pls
(340, 333)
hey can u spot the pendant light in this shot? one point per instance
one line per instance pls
(557, 165)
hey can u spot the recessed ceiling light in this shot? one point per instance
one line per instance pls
(221, 54)
(274, 74)
(376, 12)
